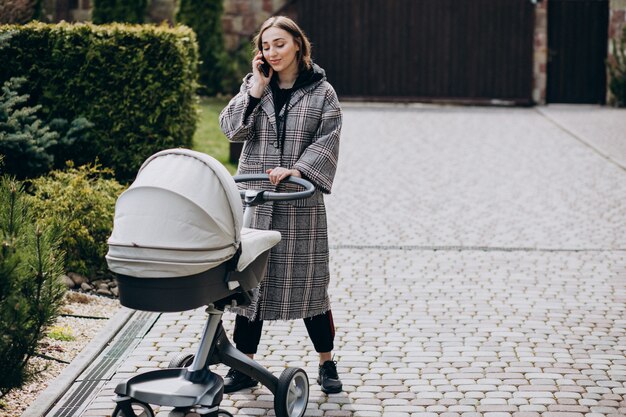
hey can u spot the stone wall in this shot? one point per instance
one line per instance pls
(617, 18)
(617, 22)
(242, 18)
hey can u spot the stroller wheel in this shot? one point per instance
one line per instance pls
(182, 360)
(132, 409)
(292, 393)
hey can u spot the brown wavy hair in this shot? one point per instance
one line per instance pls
(283, 22)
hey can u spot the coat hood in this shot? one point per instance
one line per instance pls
(310, 76)
(305, 78)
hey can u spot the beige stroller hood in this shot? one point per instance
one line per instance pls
(181, 216)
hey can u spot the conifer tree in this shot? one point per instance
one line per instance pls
(121, 11)
(30, 147)
(24, 139)
(31, 291)
(205, 18)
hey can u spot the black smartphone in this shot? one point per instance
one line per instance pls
(265, 67)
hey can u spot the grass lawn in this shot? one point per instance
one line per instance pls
(208, 137)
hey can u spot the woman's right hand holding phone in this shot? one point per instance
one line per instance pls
(260, 81)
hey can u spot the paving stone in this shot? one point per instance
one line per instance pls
(562, 414)
(604, 410)
(338, 413)
(533, 408)
(568, 408)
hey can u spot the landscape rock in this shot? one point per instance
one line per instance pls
(104, 291)
(69, 284)
(78, 279)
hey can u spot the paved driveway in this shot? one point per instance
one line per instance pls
(479, 269)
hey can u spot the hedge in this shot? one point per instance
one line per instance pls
(135, 83)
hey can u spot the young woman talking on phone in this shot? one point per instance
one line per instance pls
(290, 123)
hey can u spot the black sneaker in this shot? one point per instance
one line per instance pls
(328, 378)
(236, 381)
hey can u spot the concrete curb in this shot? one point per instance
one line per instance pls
(59, 386)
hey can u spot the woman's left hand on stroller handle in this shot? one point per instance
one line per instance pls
(278, 174)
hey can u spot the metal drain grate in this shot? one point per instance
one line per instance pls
(103, 368)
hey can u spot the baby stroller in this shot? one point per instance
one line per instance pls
(179, 242)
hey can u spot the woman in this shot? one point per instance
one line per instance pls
(290, 123)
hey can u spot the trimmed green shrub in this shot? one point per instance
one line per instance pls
(121, 11)
(205, 18)
(136, 84)
(83, 200)
(617, 71)
(31, 291)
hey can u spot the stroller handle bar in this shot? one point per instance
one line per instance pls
(309, 188)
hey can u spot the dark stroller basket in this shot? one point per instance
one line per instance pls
(178, 243)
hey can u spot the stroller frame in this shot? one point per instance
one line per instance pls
(198, 386)
(188, 383)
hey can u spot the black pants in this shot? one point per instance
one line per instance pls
(321, 328)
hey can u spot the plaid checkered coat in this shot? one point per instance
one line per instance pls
(296, 282)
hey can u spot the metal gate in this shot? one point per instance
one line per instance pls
(577, 50)
(451, 50)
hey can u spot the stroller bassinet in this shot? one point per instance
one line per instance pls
(177, 229)
(178, 243)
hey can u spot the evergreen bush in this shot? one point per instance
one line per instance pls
(83, 200)
(31, 291)
(617, 71)
(122, 11)
(24, 140)
(205, 18)
(136, 84)
(29, 145)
